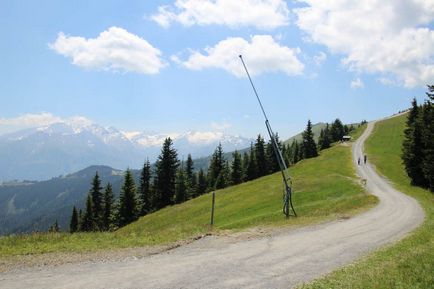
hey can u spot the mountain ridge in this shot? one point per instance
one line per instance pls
(68, 146)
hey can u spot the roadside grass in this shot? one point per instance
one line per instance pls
(410, 262)
(325, 188)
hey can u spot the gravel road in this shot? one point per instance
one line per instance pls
(280, 260)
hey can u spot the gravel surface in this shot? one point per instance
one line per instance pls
(281, 259)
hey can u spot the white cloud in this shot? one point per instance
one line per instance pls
(113, 50)
(262, 55)
(320, 58)
(31, 120)
(357, 83)
(43, 119)
(376, 36)
(263, 14)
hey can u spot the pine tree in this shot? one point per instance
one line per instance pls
(73, 224)
(80, 220)
(296, 152)
(215, 178)
(412, 146)
(190, 178)
(337, 130)
(108, 209)
(96, 195)
(430, 93)
(145, 189)
(237, 169)
(180, 186)
(225, 176)
(324, 138)
(246, 162)
(201, 183)
(273, 164)
(285, 154)
(128, 210)
(252, 168)
(166, 167)
(309, 146)
(261, 158)
(88, 221)
(427, 129)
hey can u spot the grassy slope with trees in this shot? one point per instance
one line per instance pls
(325, 188)
(409, 263)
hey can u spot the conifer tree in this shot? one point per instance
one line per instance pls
(201, 183)
(412, 152)
(285, 154)
(237, 169)
(225, 176)
(309, 146)
(246, 162)
(73, 224)
(296, 152)
(261, 158)
(273, 164)
(96, 195)
(346, 129)
(288, 155)
(430, 93)
(108, 209)
(252, 168)
(88, 221)
(128, 210)
(337, 130)
(324, 138)
(427, 129)
(180, 186)
(145, 189)
(190, 177)
(80, 220)
(189, 169)
(215, 178)
(166, 167)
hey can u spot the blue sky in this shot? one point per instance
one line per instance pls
(322, 63)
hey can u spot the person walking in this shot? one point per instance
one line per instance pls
(364, 159)
(358, 161)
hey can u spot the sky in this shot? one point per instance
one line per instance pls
(173, 66)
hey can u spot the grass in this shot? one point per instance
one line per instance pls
(325, 189)
(410, 262)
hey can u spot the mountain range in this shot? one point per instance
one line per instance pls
(64, 147)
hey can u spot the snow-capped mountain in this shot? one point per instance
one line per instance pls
(70, 145)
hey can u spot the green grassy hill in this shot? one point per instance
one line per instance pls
(325, 188)
(316, 129)
(409, 263)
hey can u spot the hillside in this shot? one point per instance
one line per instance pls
(325, 189)
(34, 206)
(410, 262)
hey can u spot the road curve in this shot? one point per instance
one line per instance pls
(278, 261)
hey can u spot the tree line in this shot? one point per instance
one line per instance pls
(174, 181)
(418, 144)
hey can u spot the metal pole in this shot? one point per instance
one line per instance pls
(212, 208)
(287, 202)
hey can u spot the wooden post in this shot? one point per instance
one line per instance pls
(212, 208)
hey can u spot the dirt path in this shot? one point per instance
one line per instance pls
(277, 261)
